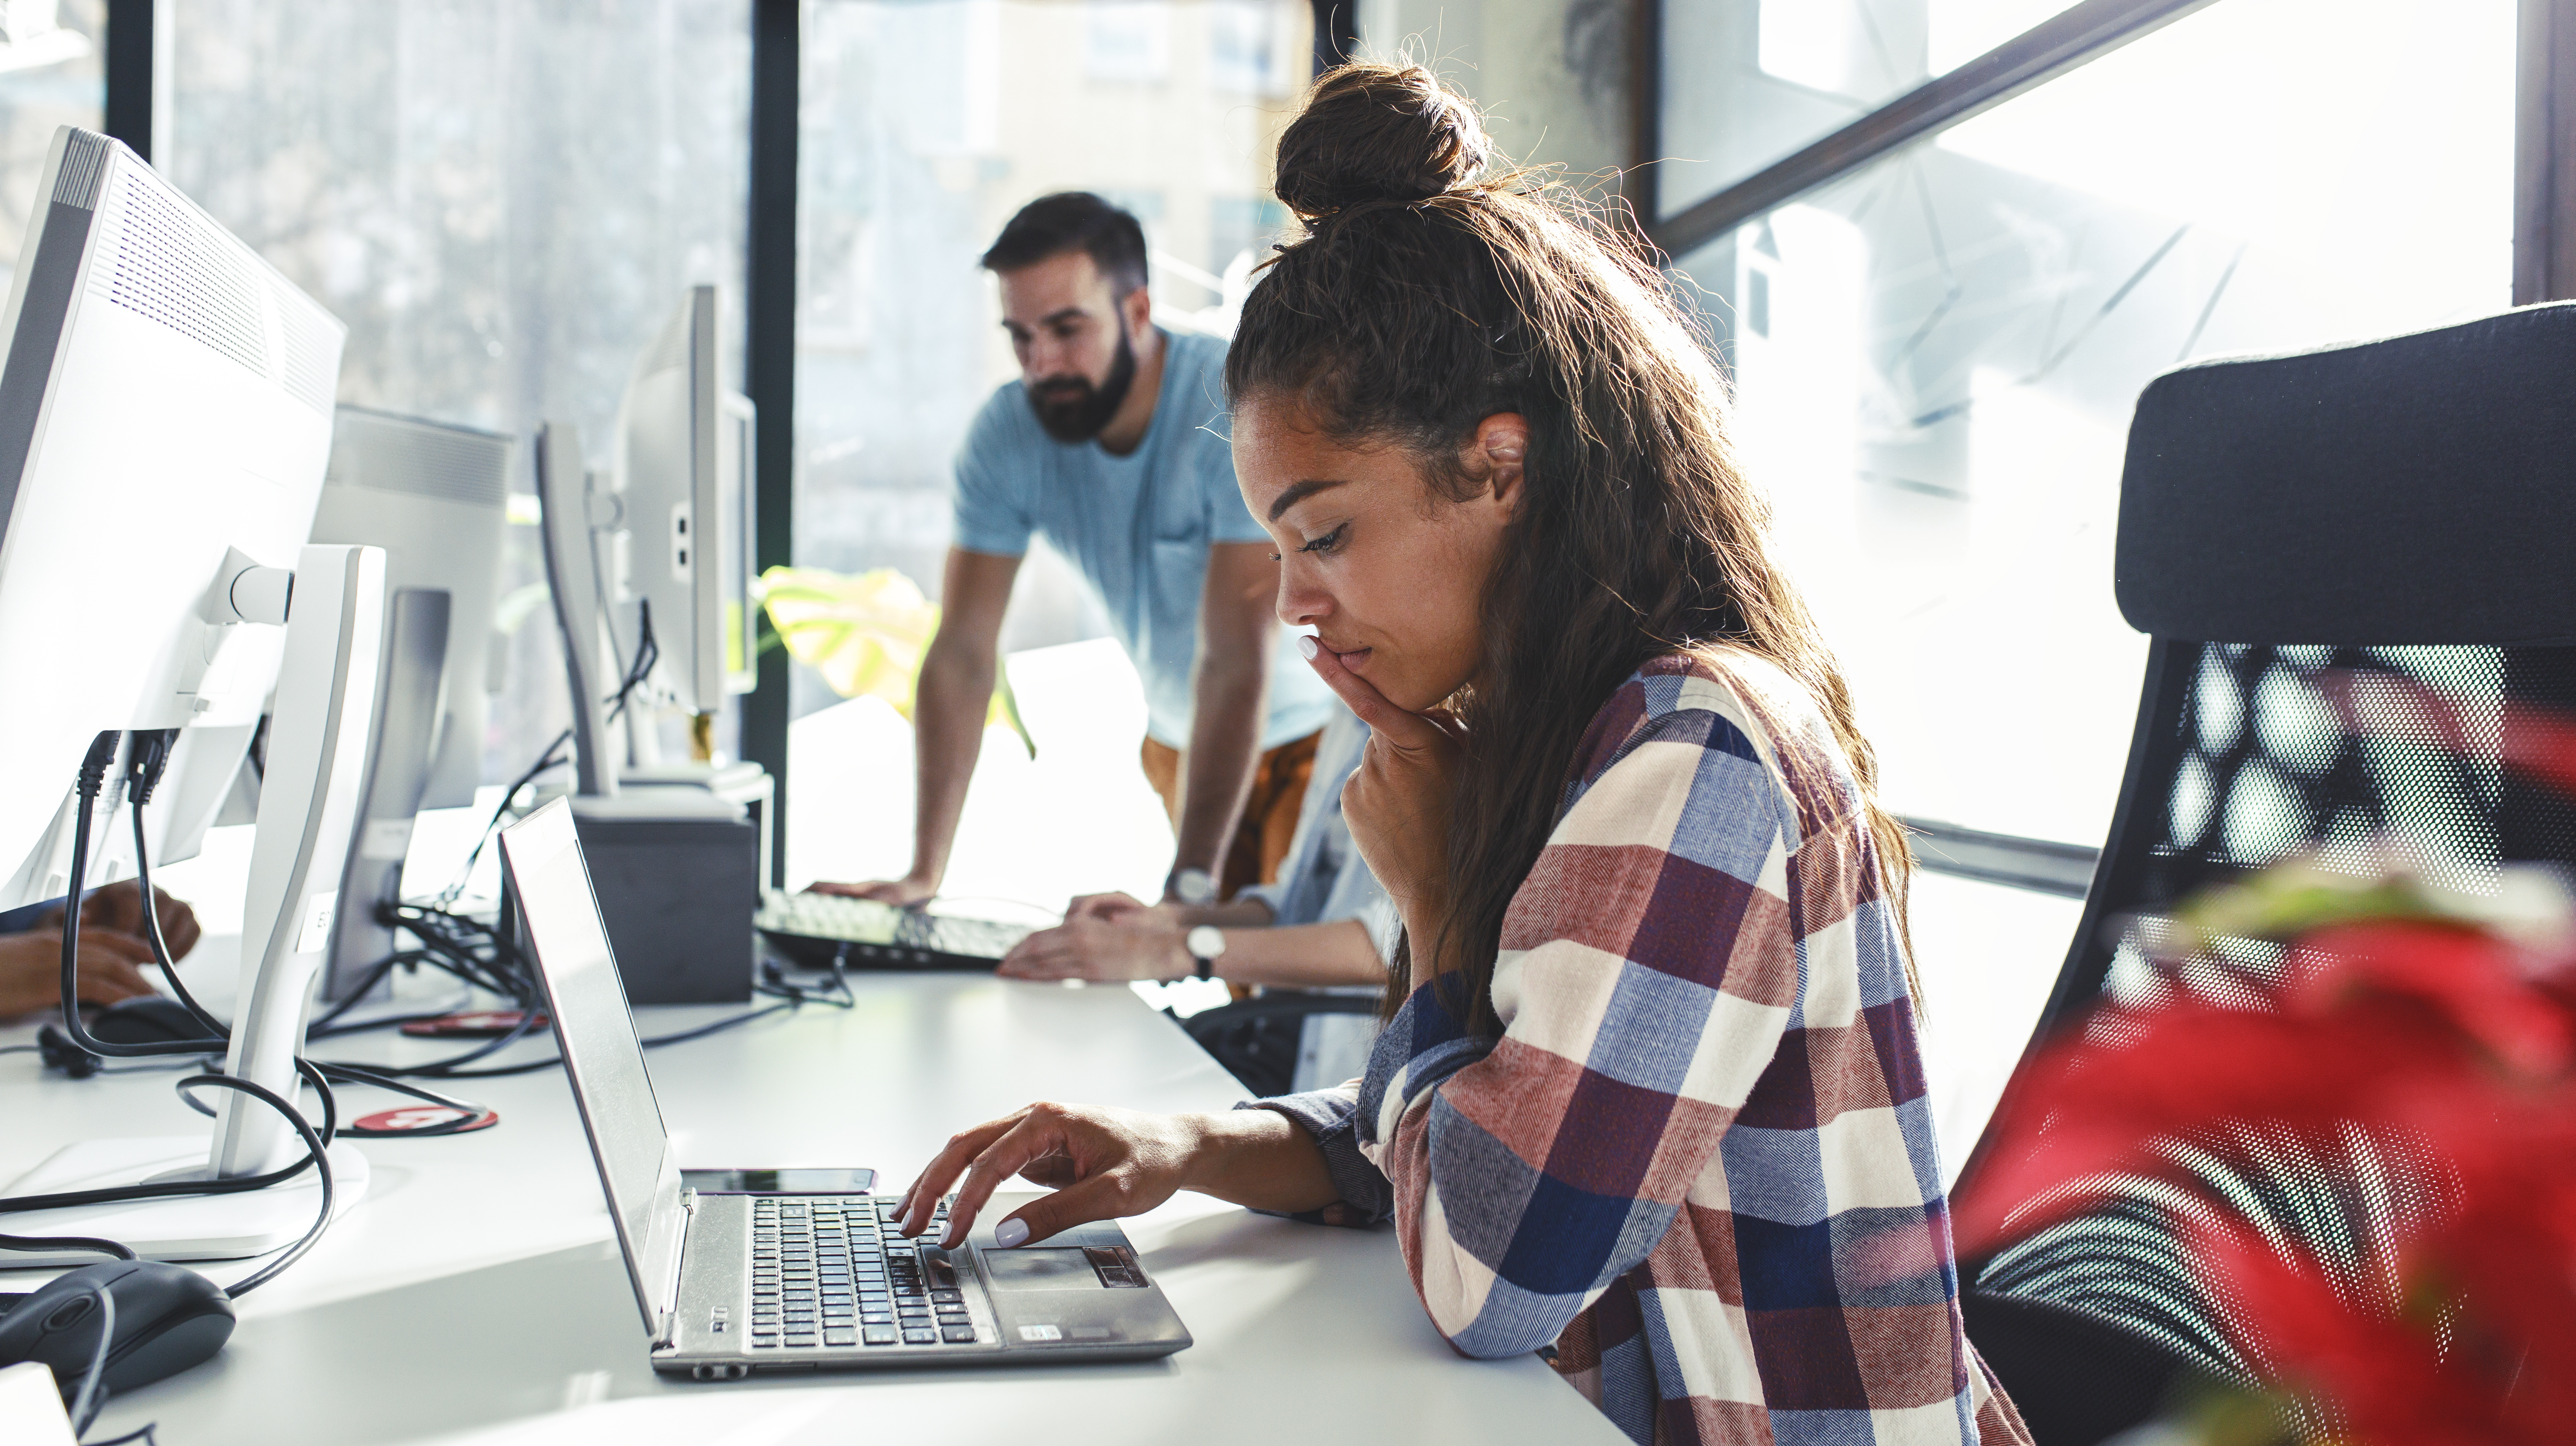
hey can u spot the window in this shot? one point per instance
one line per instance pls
(502, 201)
(1747, 82)
(1244, 46)
(927, 123)
(1126, 40)
(1937, 354)
(50, 75)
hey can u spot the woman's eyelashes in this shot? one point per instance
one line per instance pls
(1329, 543)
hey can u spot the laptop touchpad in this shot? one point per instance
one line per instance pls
(1040, 1269)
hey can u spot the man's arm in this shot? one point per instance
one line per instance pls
(1230, 684)
(950, 703)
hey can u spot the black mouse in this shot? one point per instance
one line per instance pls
(147, 1019)
(168, 1318)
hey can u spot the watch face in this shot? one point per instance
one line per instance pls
(1194, 886)
(1205, 942)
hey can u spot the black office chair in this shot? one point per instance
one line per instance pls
(2374, 518)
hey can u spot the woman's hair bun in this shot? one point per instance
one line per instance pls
(1378, 133)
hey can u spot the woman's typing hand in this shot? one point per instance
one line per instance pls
(1105, 1163)
(1101, 1163)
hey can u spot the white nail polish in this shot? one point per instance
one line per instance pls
(1306, 645)
(1010, 1233)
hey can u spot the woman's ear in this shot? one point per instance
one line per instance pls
(1495, 454)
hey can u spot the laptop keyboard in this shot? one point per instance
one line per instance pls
(836, 1271)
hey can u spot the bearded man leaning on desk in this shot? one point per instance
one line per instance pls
(1113, 446)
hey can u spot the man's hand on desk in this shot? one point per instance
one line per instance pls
(31, 969)
(903, 893)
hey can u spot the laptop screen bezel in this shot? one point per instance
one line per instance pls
(528, 849)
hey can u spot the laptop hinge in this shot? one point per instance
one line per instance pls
(669, 1333)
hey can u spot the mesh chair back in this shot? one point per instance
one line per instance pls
(2378, 534)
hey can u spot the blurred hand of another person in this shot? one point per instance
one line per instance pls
(1108, 908)
(31, 969)
(1137, 943)
(118, 908)
(903, 893)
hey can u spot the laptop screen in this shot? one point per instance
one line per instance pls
(600, 1050)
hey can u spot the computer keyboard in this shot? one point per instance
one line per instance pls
(837, 1271)
(814, 930)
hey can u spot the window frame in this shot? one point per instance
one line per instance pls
(2544, 234)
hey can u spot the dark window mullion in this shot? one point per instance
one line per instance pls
(770, 371)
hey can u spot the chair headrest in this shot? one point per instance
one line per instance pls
(2418, 489)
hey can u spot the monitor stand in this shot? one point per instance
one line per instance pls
(181, 1227)
(308, 810)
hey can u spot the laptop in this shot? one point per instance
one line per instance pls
(736, 1284)
(816, 930)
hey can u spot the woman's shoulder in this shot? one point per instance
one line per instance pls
(1728, 700)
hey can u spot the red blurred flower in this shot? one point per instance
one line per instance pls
(2435, 1044)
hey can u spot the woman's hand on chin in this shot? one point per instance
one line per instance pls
(1397, 801)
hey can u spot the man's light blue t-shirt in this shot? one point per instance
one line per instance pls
(1139, 528)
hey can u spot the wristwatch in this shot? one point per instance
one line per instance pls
(1193, 886)
(1205, 943)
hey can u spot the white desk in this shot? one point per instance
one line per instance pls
(476, 1294)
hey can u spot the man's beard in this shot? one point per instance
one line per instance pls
(1071, 409)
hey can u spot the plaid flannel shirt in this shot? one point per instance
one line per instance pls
(1699, 1161)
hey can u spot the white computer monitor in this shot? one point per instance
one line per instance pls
(165, 418)
(680, 473)
(435, 496)
(165, 405)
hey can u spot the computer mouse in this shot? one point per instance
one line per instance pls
(148, 1019)
(168, 1318)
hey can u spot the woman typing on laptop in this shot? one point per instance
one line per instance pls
(1650, 1097)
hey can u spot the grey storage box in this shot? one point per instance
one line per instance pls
(678, 895)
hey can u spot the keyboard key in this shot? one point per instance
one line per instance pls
(915, 1338)
(958, 1335)
(876, 1317)
(880, 1335)
(794, 1340)
(840, 1338)
(948, 1297)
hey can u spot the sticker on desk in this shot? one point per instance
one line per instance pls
(1041, 1333)
(421, 1119)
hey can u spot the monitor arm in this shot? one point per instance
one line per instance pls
(308, 809)
(572, 575)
